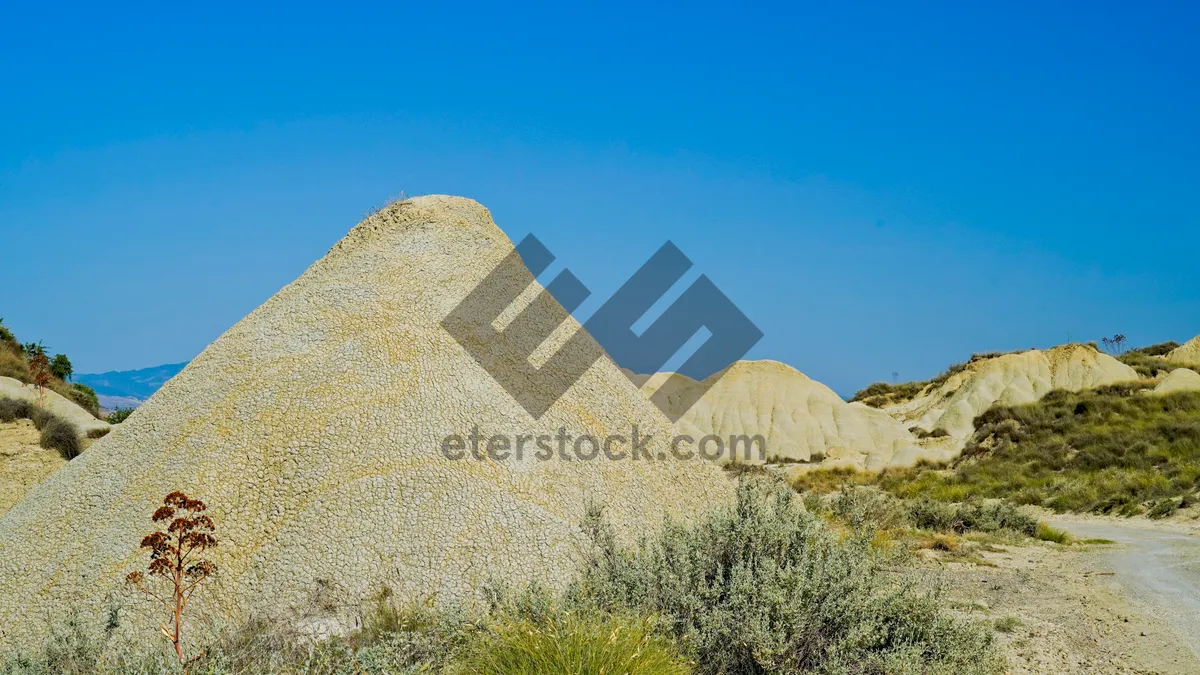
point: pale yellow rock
(1009, 379)
(1180, 379)
(60, 406)
(798, 418)
(1188, 353)
(23, 463)
(313, 429)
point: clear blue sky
(879, 189)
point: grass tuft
(1045, 532)
(573, 643)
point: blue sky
(880, 189)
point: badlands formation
(313, 429)
(802, 419)
(1008, 379)
(1180, 379)
(799, 418)
(1188, 353)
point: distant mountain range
(128, 388)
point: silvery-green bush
(762, 586)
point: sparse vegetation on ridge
(56, 433)
(1147, 361)
(1114, 449)
(882, 394)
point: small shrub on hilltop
(60, 367)
(119, 415)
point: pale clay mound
(1009, 379)
(313, 429)
(1180, 379)
(66, 409)
(799, 418)
(23, 463)
(1188, 353)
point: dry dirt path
(1157, 568)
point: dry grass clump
(60, 435)
(573, 643)
(56, 433)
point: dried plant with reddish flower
(175, 557)
(39, 370)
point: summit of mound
(1007, 379)
(1188, 353)
(800, 419)
(314, 429)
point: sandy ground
(1128, 607)
(23, 463)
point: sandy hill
(313, 428)
(1008, 379)
(1180, 379)
(1187, 353)
(800, 419)
(52, 401)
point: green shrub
(573, 643)
(864, 507)
(60, 367)
(119, 415)
(990, 516)
(1165, 507)
(62, 436)
(763, 586)
(1047, 533)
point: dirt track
(1088, 608)
(1158, 570)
